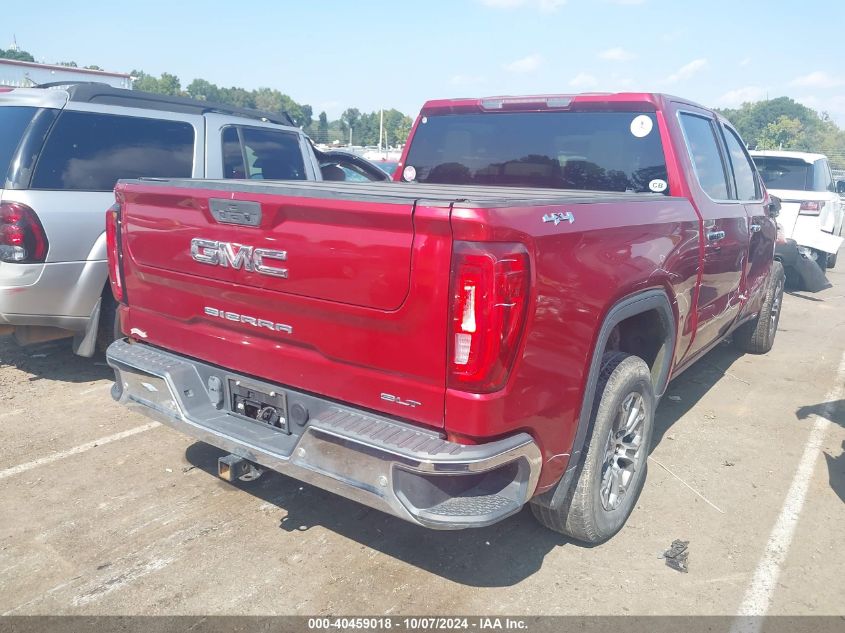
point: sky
(373, 54)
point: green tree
(322, 128)
(349, 121)
(17, 55)
(785, 133)
(782, 122)
(203, 90)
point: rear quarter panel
(580, 270)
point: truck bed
(460, 195)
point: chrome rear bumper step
(410, 472)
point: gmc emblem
(226, 254)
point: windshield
(13, 122)
(779, 172)
(603, 151)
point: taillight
(489, 296)
(114, 253)
(811, 207)
(22, 238)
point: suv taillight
(114, 253)
(811, 207)
(489, 296)
(22, 238)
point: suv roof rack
(97, 92)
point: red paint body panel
(368, 292)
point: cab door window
(747, 187)
(703, 148)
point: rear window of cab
(600, 151)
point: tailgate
(312, 286)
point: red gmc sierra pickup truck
(495, 329)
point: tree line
(783, 123)
(362, 128)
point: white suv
(811, 209)
(61, 152)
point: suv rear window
(779, 172)
(91, 152)
(603, 151)
(13, 123)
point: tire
(109, 328)
(591, 513)
(758, 336)
(822, 260)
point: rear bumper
(406, 471)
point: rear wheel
(758, 336)
(831, 260)
(613, 469)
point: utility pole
(350, 136)
(380, 129)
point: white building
(27, 74)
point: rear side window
(746, 182)
(262, 154)
(601, 151)
(822, 178)
(706, 159)
(91, 152)
(13, 123)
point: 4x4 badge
(559, 216)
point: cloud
(583, 80)
(526, 64)
(733, 98)
(466, 80)
(745, 61)
(544, 6)
(688, 70)
(616, 54)
(816, 79)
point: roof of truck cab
(471, 196)
(534, 102)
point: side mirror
(840, 187)
(773, 207)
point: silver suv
(61, 152)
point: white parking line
(49, 459)
(758, 597)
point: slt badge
(559, 216)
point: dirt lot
(105, 513)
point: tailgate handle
(243, 212)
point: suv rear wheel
(613, 469)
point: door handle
(715, 236)
(756, 228)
